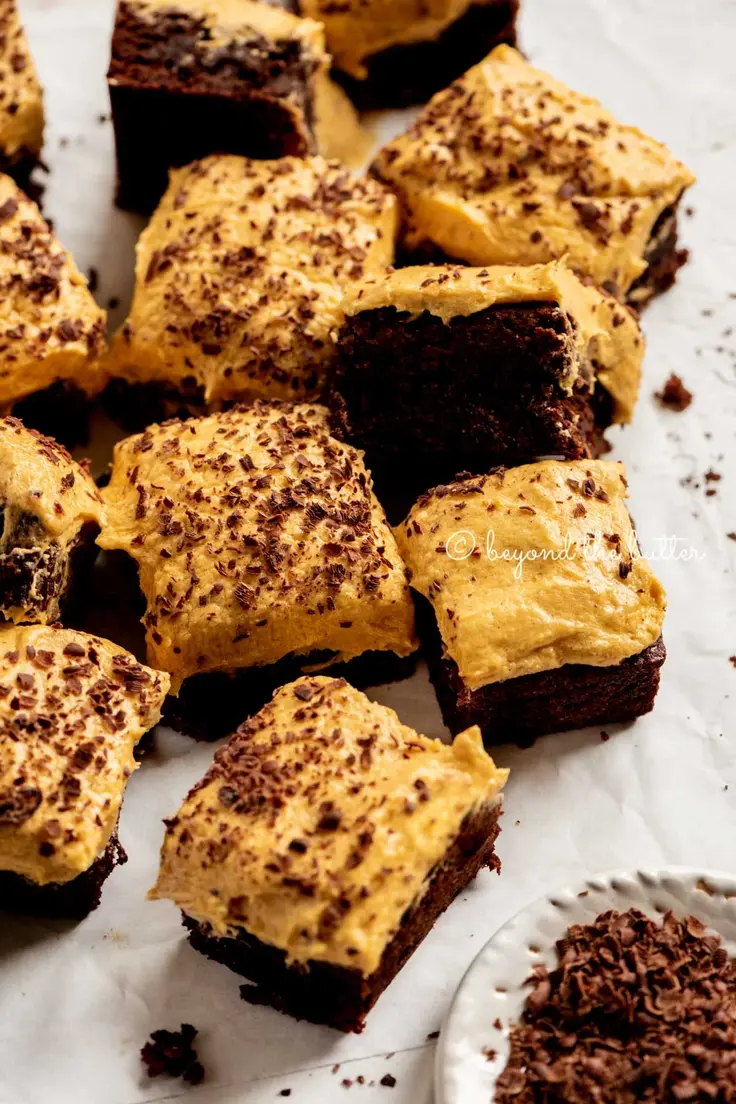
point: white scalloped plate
(472, 1051)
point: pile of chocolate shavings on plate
(635, 1011)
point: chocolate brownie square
(323, 843)
(262, 552)
(21, 100)
(509, 166)
(50, 513)
(189, 78)
(72, 709)
(391, 54)
(447, 369)
(539, 612)
(52, 333)
(239, 280)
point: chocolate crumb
(674, 394)
(388, 1081)
(173, 1053)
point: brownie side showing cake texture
(50, 514)
(448, 369)
(239, 279)
(262, 552)
(359, 832)
(189, 78)
(393, 54)
(52, 333)
(509, 166)
(21, 100)
(72, 709)
(541, 614)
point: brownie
(192, 77)
(395, 56)
(239, 280)
(50, 514)
(72, 709)
(549, 173)
(52, 343)
(447, 369)
(341, 996)
(71, 900)
(21, 100)
(538, 612)
(259, 542)
(517, 710)
(326, 797)
(240, 694)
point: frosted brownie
(398, 52)
(538, 611)
(447, 369)
(50, 513)
(72, 708)
(239, 278)
(189, 78)
(323, 843)
(21, 99)
(52, 333)
(509, 166)
(262, 551)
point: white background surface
(76, 1003)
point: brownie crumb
(388, 1081)
(285, 1092)
(93, 279)
(675, 394)
(732, 660)
(173, 1053)
(634, 1011)
(433, 1035)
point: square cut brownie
(52, 333)
(392, 53)
(50, 514)
(239, 279)
(262, 552)
(21, 99)
(323, 843)
(446, 369)
(538, 612)
(189, 78)
(72, 708)
(508, 166)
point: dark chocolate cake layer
(518, 710)
(62, 901)
(412, 73)
(175, 98)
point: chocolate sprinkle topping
(635, 1011)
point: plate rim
(690, 876)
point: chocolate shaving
(634, 1011)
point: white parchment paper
(77, 1003)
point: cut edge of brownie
(403, 75)
(662, 257)
(500, 398)
(335, 995)
(64, 576)
(240, 694)
(251, 98)
(518, 710)
(71, 900)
